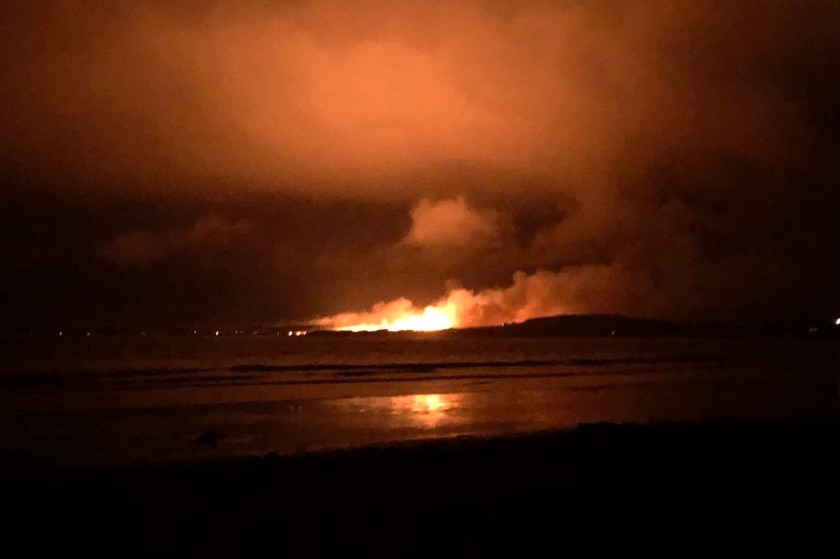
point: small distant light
(60, 333)
(195, 332)
(291, 333)
(87, 334)
(837, 322)
(217, 332)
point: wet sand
(761, 486)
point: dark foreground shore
(769, 486)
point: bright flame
(396, 316)
(430, 319)
(540, 294)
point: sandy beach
(758, 486)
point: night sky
(205, 163)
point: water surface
(91, 400)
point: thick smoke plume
(667, 158)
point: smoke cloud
(449, 223)
(660, 158)
(140, 248)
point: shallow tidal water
(105, 400)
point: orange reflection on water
(425, 410)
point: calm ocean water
(94, 400)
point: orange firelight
(429, 319)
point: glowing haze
(425, 164)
